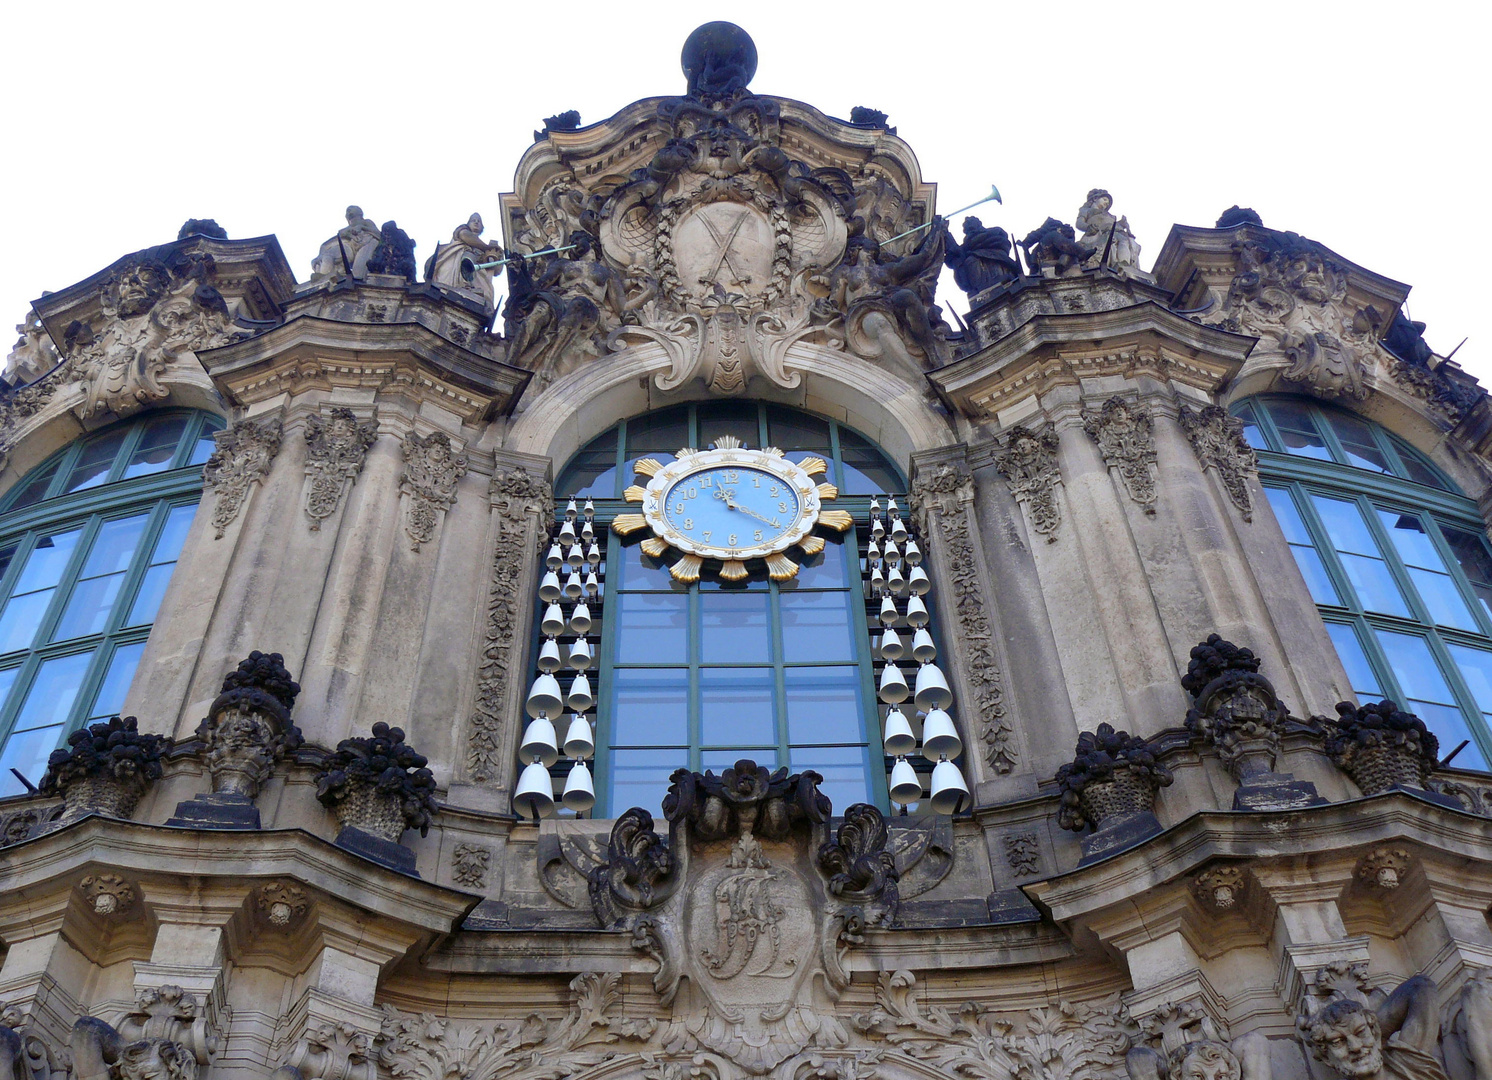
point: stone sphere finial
(719, 59)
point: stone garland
(1218, 441)
(1028, 461)
(469, 865)
(947, 492)
(431, 471)
(336, 447)
(1126, 439)
(242, 458)
(516, 497)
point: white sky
(1364, 126)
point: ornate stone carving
(1127, 442)
(942, 496)
(333, 1051)
(282, 903)
(1114, 245)
(983, 260)
(170, 1015)
(19, 826)
(1366, 1035)
(862, 870)
(517, 499)
(469, 864)
(1028, 461)
(1221, 887)
(1023, 853)
(431, 471)
(1068, 1041)
(1218, 441)
(1181, 1042)
(394, 254)
(1052, 250)
(19, 405)
(1111, 784)
(247, 728)
(886, 303)
(108, 894)
(1383, 868)
(336, 446)
(456, 265)
(347, 254)
(104, 769)
(33, 354)
(638, 871)
(743, 801)
(242, 458)
(565, 312)
(377, 785)
(1381, 747)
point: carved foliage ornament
(1127, 442)
(1218, 441)
(1028, 461)
(943, 496)
(336, 446)
(431, 471)
(282, 903)
(247, 729)
(242, 458)
(469, 865)
(519, 503)
(1234, 707)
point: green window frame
(774, 672)
(88, 542)
(1395, 557)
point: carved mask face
(1209, 1061)
(1349, 1042)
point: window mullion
(607, 646)
(1328, 435)
(1465, 701)
(1453, 567)
(779, 673)
(1391, 559)
(1326, 548)
(67, 583)
(135, 572)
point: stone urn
(1111, 784)
(1381, 747)
(378, 787)
(104, 769)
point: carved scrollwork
(431, 471)
(638, 867)
(1028, 461)
(336, 446)
(469, 863)
(860, 866)
(1127, 442)
(1218, 441)
(745, 799)
(242, 458)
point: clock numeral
(706, 535)
(688, 524)
(756, 481)
(731, 540)
(782, 507)
(692, 493)
(774, 491)
(707, 480)
(678, 508)
(732, 476)
(757, 536)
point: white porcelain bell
(580, 697)
(555, 559)
(588, 531)
(918, 583)
(571, 509)
(545, 696)
(580, 792)
(592, 584)
(899, 738)
(567, 533)
(949, 792)
(553, 622)
(905, 787)
(877, 528)
(932, 689)
(534, 798)
(889, 614)
(590, 508)
(923, 649)
(891, 646)
(898, 530)
(873, 551)
(593, 552)
(891, 553)
(580, 655)
(912, 553)
(877, 579)
(896, 581)
(939, 736)
(574, 585)
(549, 656)
(575, 556)
(580, 743)
(580, 619)
(549, 588)
(539, 743)
(893, 690)
(916, 612)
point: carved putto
(336, 445)
(1126, 439)
(431, 471)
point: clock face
(731, 503)
(732, 507)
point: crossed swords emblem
(722, 253)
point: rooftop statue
(33, 354)
(1052, 249)
(566, 313)
(719, 59)
(1237, 215)
(347, 253)
(983, 260)
(887, 304)
(1114, 245)
(457, 265)
(394, 254)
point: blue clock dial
(731, 507)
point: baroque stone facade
(1187, 852)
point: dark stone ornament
(871, 118)
(247, 730)
(719, 60)
(1053, 246)
(743, 799)
(202, 227)
(1237, 711)
(1383, 748)
(861, 869)
(394, 254)
(104, 769)
(983, 260)
(569, 120)
(638, 871)
(1111, 784)
(1237, 215)
(378, 787)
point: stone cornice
(312, 352)
(1053, 350)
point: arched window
(702, 675)
(1396, 558)
(88, 540)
